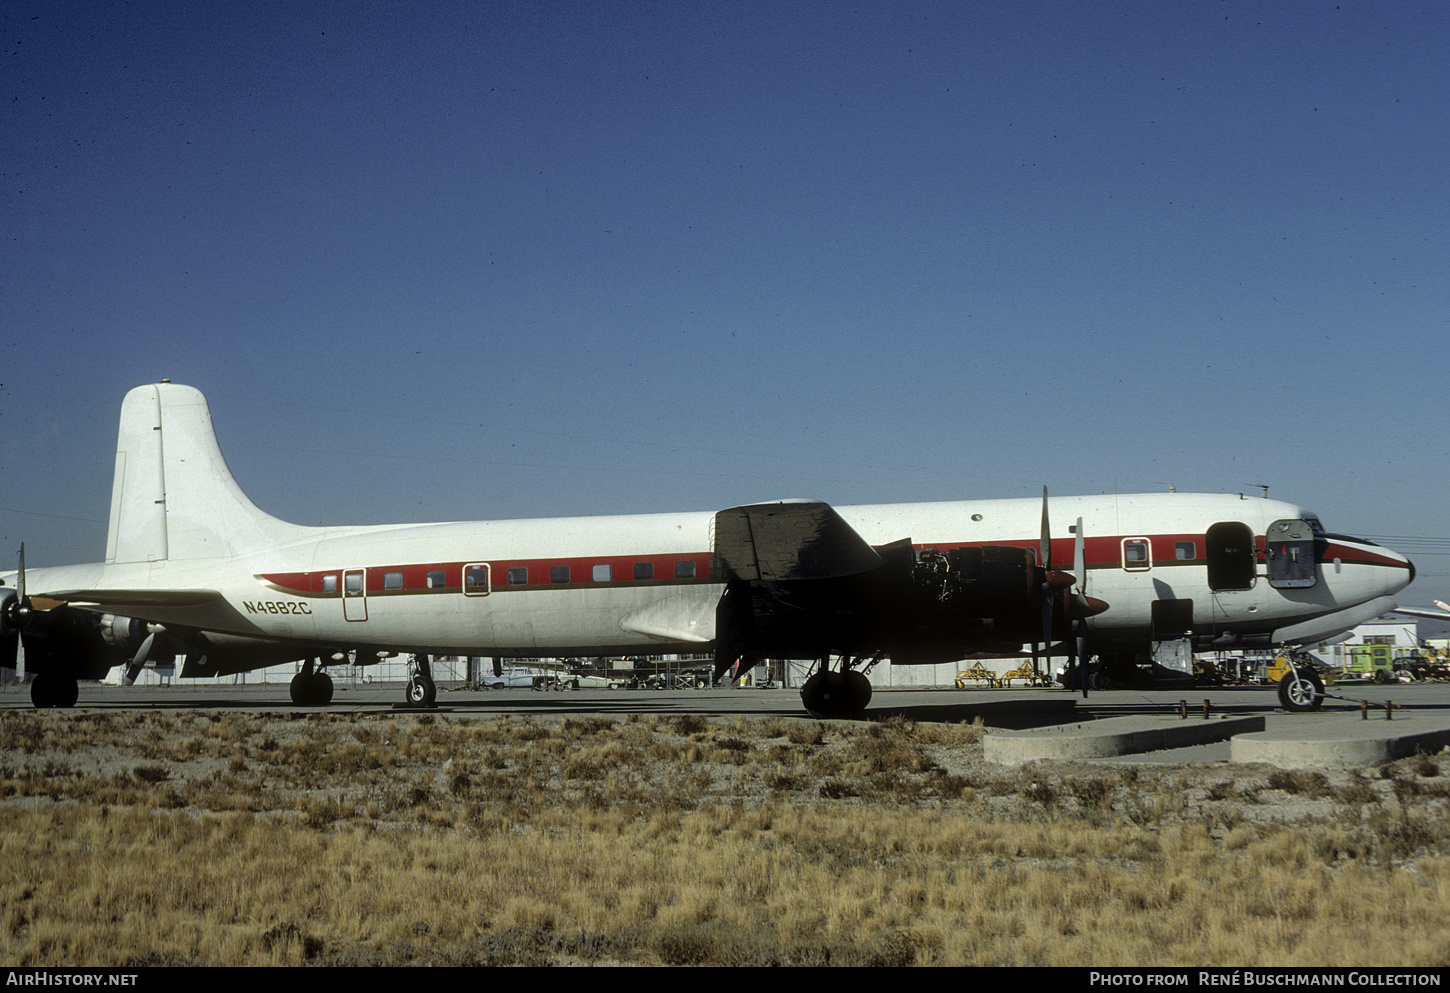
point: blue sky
(444, 261)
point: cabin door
(354, 595)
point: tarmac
(1359, 725)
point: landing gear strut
(843, 692)
(421, 690)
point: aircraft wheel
(1302, 691)
(321, 689)
(49, 689)
(42, 695)
(297, 689)
(858, 691)
(421, 691)
(824, 694)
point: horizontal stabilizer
(779, 542)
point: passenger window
(392, 580)
(602, 573)
(685, 569)
(519, 576)
(644, 570)
(475, 580)
(1135, 554)
(435, 579)
(329, 583)
(558, 573)
(1185, 551)
(354, 583)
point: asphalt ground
(1201, 725)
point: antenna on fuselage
(1262, 486)
(1171, 487)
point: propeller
(1045, 592)
(1077, 646)
(133, 668)
(733, 615)
(1048, 597)
(14, 615)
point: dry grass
(340, 840)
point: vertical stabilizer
(138, 494)
(173, 495)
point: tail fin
(173, 496)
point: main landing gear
(54, 689)
(842, 692)
(311, 687)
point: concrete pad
(1338, 741)
(1114, 736)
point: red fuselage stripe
(1100, 553)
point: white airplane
(193, 568)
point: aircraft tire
(1301, 692)
(321, 689)
(51, 690)
(858, 691)
(421, 691)
(824, 694)
(42, 696)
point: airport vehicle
(510, 678)
(591, 682)
(194, 569)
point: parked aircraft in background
(194, 569)
(1441, 614)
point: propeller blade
(20, 577)
(1044, 547)
(1079, 558)
(1047, 617)
(133, 668)
(1080, 647)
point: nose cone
(1364, 570)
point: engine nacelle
(125, 633)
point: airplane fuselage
(648, 583)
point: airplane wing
(122, 599)
(1443, 614)
(790, 540)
